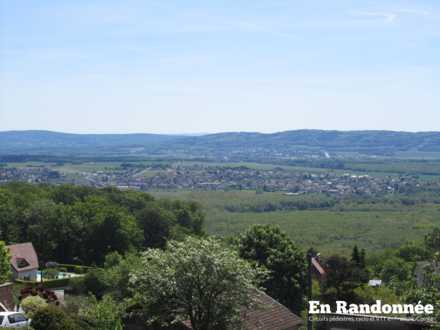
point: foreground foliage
(197, 280)
(105, 314)
(32, 304)
(53, 318)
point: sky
(173, 66)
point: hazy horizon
(209, 133)
(191, 68)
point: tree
(412, 251)
(269, 247)
(117, 270)
(355, 256)
(8, 230)
(32, 304)
(432, 240)
(116, 229)
(156, 224)
(197, 280)
(395, 269)
(341, 280)
(5, 264)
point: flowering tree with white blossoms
(198, 280)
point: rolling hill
(283, 144)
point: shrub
(50, 273)
(77, 285)
(104, 314)
(58, 283)
(48, 295)
(52, 318)
(95, 282)
(31, 304)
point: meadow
(373, 226)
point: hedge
(57, 283)
(77, 269)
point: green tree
(8, 215)
(197, 280)
(341, 280)
(358, 257)
(117, 270)
(395, 269)
(5, 264)
(412, 251)
(156, 224)
(269, 247)
(355, 256)
(104, 314)
(432, 240)
(31, 304)
(107, 228)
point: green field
(336, 229)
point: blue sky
(208, 66)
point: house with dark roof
(267, 314)
(24, 261)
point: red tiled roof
(23, 257)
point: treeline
(71, 224)
(326, 201)
(302, 202)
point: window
(22, 262)
(15, 318)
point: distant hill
(248, 145)
(46, 142)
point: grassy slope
(328, 230)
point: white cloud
(415, 12)
(389, 17)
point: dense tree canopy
(269, 247)
(5, 266)
(73, 224)
(432, 241)
(342, 279)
